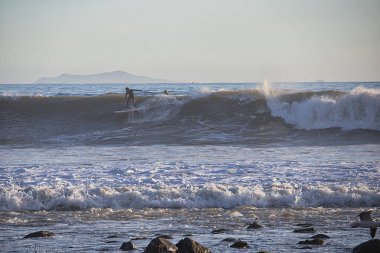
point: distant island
(107, 77)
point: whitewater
(203, 157)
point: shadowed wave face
(248, 117)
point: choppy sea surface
(203, 157)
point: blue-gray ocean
(200, 158)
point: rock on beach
(188, 245)
(159, 245)
(316, 241)
(126, 246)
(320, 236)
(240, 244)
(371, 246)
(254, 225)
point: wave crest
(209, 196)
(257, 116)
(358, 109)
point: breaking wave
(207, 196)
(256, 116)
(358, 109)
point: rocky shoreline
(188, 244)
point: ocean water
(203, 157)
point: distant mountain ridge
(107, 77)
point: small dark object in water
(39, 234)
(240, 244)
(320, 236)
(220, 231)
(304, 225)
(304, 230)
(254, 225)
(112, 241)
(317, 241)
(229, 239)
(139, 238)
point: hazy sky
(200, 41)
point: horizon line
(213, 82)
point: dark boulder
(254, 225)
(188, 245)
(371, 246)
(39, 234)
(240, 244)
(127, 246)
(229, 239)
(160, 245)
(320, 236)
(316, 241)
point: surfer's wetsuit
(129, 95)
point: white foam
(156, 109)
(188, 177)
(208, 196)
(357, 109)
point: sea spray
(356, 109)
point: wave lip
(208, 196)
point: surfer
(129, 95)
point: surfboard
(136, 109)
